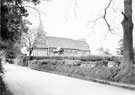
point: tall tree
(127, 23)
(12, 22)
(12, 25)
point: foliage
(97, 72)
(11, 20)
(82, 58)
(12, 25)
(29, 38)
(3, 88)
(100, 71)
(103, 51)
(129, 78)
(121, 48)
(107, 52)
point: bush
(21, 60)
(102, 63)
(81, 58)
(63, 67)
(48, 57)
(129, 78)
(81, 68)
(91, 58)
(3, 89)
(73, 62)
(11, 61)
(10, 55)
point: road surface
(24, 81)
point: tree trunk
(30, 52)
(127, 25)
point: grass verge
(99, 73)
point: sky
(73, 19)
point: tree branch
(94, 22)
(124, 15)
(104, 18)
(39, 12)
(36, 10)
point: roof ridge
(65, 38)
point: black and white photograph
(67, 47)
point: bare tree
(127, 23)
(28, 40)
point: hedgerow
(82, 58)
(100, 71)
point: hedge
(82, 58)
(98, 72)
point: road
(24, 81)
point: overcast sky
(69, 19)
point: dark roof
(61, 42)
